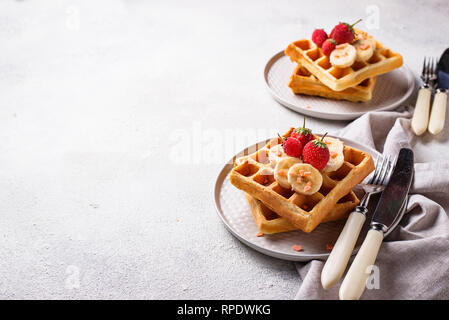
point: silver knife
(438, 113)
(387, 215)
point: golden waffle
(303, 82)
(309, 55)
(304, 212)
(270, 222)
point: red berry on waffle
(319, 36)
(293, 147)
(303, 134)
(316, 153)
(329, 46)
(344, 32)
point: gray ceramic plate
(391, 90)
(235, 212)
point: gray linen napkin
(413, 261)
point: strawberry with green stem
(316, 153)
(344, 32)
(303, 134)
(329, 46)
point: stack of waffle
(277, 209)
(315, 75)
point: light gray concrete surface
(115, 117)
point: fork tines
(383, 170)
(429, 70)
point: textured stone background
(108, 110)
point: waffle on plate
(253, 174)
(309, 55)
(270, 222)
(303, 82)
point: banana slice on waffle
(364, 49)
(336, 157)
(304, 178)
(275, 154)
(343, 55)
(282, 168)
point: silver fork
(338, 259)
(432, 72)
(377, 182)
(420, 118)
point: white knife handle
(339, 257)
(420, 118)
(355, 281)
(438, 114)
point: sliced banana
(364, 49)
(336, 157)
(365, 36)
(304, 178)
(281, 170)
(275, 154)
(343, 55)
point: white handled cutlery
(338, 259)
(420, 118)
(387, 215)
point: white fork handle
(438, 114)
(420, 118)
(339, 257)
(355, 281)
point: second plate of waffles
(288, 196)
(342, 80)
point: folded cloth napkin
(413, 262)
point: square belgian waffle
(309, 55)
(270, 222)
(252, 175)
(303, 82)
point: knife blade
(387, 215)
(394, 193)
(438, 113)
(443, 70)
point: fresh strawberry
(319, 36)
(329, 46)
(303, 134)
(293, 147)
(344, 32)
(316, 153)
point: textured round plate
(234, 210)
(392, 89)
